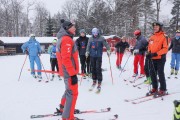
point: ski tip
(116, 116)
(109, 109)
(133, 102)
(126, 100)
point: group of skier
(64, 54)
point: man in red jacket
(67, 56)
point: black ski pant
(147, 67)
(157, 68)
(96, 63)
(85, 63)
(54, 64)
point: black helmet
(157, 23)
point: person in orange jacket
(67, 56)
(157, 50)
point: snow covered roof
(11, 40)
(106, 37)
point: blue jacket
(95, 46)
(32, 46)
(141, 44)
(52, 51)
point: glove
(87, 54)
(74, 79)
(136, 51)
(26, 52)
(108, 52)
(150, 55)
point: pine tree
(175, 21)
(49, 27)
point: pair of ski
(135, 85)
(40, 80)
(175, 77)
(143, 99)
(115, 117)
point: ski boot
(172, 71)
(176, 73)
(119, 67)
(84, 75)
(93, 85)
(34, 76)
(59, 77)
(134, 75)
(39, 77)
(152, 92)
(52, 77)
(148, 81)
(98, 88)
(141, 76)
(160, 93)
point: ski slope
(19, 100)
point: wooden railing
(8, 51)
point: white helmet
(32, 35)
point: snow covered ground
(19, 100)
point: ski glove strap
(74, 79)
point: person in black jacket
(175, 56)
(81, 43)
(120, 48)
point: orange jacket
(158, 43)
(67, 56)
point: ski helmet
(82, 31)
(157, 23)
(95, 31)
(54, 41)
(137, 32)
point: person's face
(54, 43)
(72, 30)
(177, 34)
(156, 28)
(82, 34)
(123, 40)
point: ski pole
(44, 68)
(124, 65)
(110, 69)
(22, 68)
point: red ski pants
(139, 59)
(119, 59)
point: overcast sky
(55, 5)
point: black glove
(150, 55)
(74, 79)
(26, 52)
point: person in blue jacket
(95, 50)
(33, 49)
(175, 56)
(53, 58)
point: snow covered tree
(175, 21)
(41, 16)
